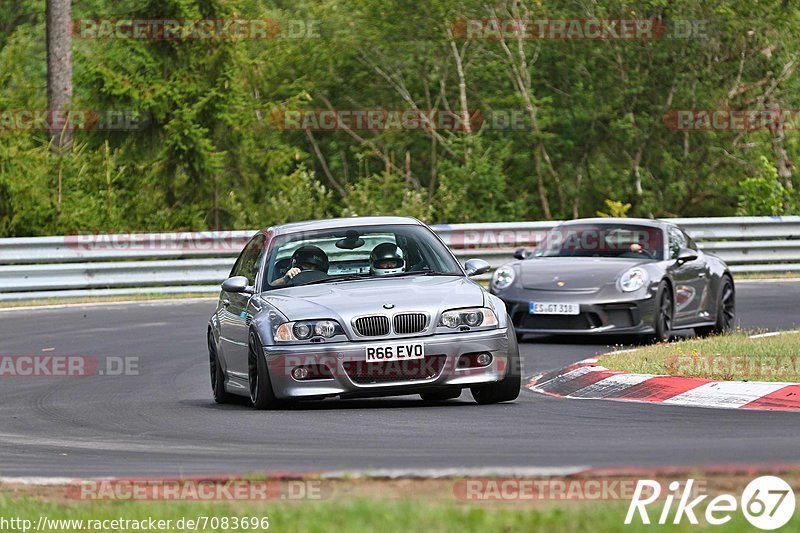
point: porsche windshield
(602, 240)
(347, 254)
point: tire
(217, 374)
(507, 389)
(726, 311)
(665, 313)
(261, 394)
(441, 395)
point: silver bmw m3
(358, 307)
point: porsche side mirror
(474, 267)
(520, 253)
(686, 255)
(237, 284)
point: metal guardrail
(82, 265)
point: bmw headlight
(472, 317)
(503, 277)
(306, 330)
(633, 280)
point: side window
(250, 259)
(676, 242)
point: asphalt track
(164, 422)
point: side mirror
(237, 284)
(520, 253)
(686, 255)
(473, 267)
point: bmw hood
(572, 273)
(348, 299)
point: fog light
(299, 372)
(483, 359)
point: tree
(59, 72)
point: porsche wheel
(726, 311)
(507, 389)
(217, 373)
(664, 314)
(261, 394)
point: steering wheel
(307, 276)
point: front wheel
(507, 389)
(664, 313)
(261, 394)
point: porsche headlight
(503, 277)
(633, 280)
(306, 330)
(473, 317)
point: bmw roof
(347, 222)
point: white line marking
(37, 481)
(729, 394)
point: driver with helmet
(386, 259)
(304, 259)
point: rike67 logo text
(768, 502)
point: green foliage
(592, 117)
(385, 194)
(764, 194)
(616, 209)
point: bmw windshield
(350, 254)
(610, 240)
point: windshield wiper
(335, 278)
(421, 273)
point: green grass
(108, 299)
(723, 357)
(367, 515)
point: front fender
(265, 319)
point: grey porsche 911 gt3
(358, 307)
(619, 276)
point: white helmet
(385, 259)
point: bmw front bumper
(351, 376)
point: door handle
(226, 302)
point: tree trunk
(59, 72)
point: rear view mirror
(686, 255)
(520, 253)
(236, 284)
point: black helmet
(311, 255)
(386, 251)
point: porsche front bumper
(599, 313)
